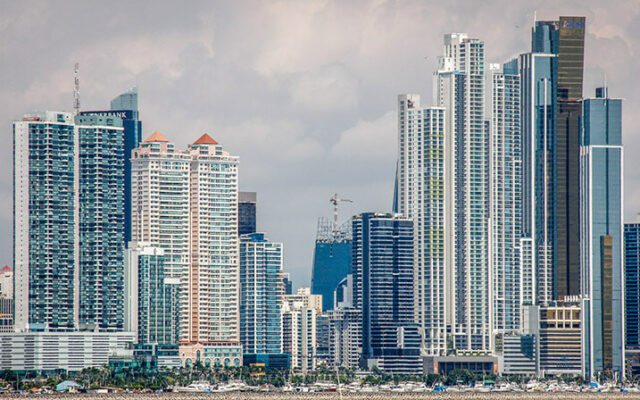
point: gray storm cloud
(303, 92)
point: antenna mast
(76, 90)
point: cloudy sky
(303, 92)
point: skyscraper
(101, 221)
(601, 274)
(512, 284)
(186, 202)
(538, 72)
(150, 297)
(68, 222)
(261, 294)
(632, 284)
(299, 328)
(384, 292)
(247, 204)
(565, 39)
(44, 240)
(331, 260)
(125, 107)
(459, 87)
(160, 202)
(421, 195)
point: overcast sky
(304, 92)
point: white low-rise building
(59, 351)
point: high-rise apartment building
(125, 107)
(261, 294)
(299, 328)
(459, 87)
(601, 241)
(538, 115)
(632, 284)
(512, 283)
(68, 222)
(151, 307)
(186, 203)
(421, 196)
(384, 292)
(101, 221)
(247, 204)
(331, 260)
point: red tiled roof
(205, 139)
(156, 137)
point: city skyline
(330, 117)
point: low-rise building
(60, 351)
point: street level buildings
(59, 351)
(6, 299)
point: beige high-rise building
(186, 202)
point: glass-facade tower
(125, 107)
(565, 39)
(632, 284)
(331, 260)
(247, 202)
(383, 290)
(601, 274)
(261, 294)
(150, 296)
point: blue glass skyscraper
(125, 107)
(632, 284)
(601, 247)
(331, 261)
(261, 294)
(247, 204)
(384, 292)
(151, 302)
(538, 86)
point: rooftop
(205, 139)
(156, 137)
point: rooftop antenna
(76, 89)
(535, 17)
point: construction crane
(335, 200)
